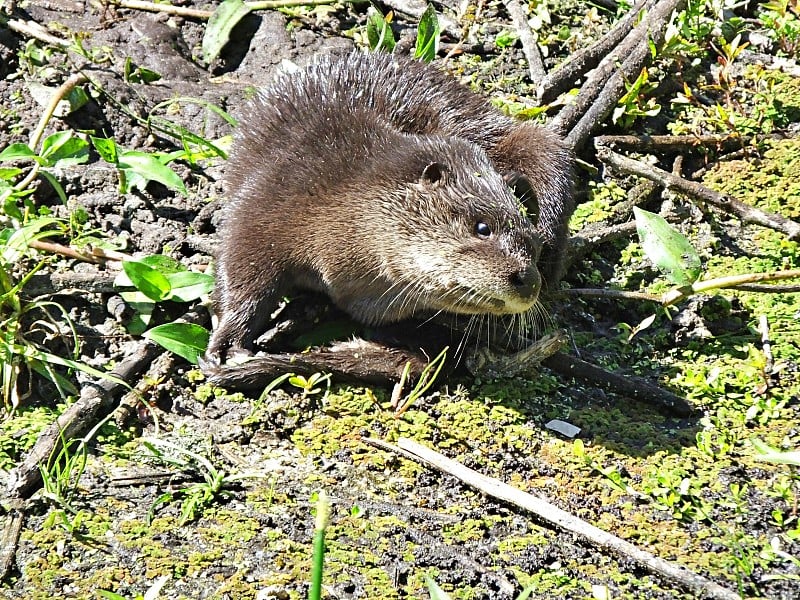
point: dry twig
(530, 46)
(606, 84)
(581, 62)
(701, 193)
(561, 519)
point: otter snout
(527, 282)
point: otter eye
(482, 230)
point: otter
(391, 188)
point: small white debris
(566, 429)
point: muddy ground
(687, 489)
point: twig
(766, 347)
(767, 289)
(606, 85)
(670, 143)
(735, 282)
(32, 29)
(63, 250)
(155, 375)
(530, 45)
(12, 527)
(64, 89)
(197, 13)
(611, 293)
(561, 519)
(629, 386)
(582, 61)
(701, 193)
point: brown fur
(375, 180)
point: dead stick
(590, 108)
(766, 347)
(530, 46)
(582, 61)
(669, 143)
(66, 251)
(699, 192)
(553, 515)
(629, 386)
(95, 402)
(12, 527)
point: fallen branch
(701, 193)
(530, 45)
(95, 403)
(606, 84)
(96, 256)
(746, 282)
(32, 29)
(677, 143)
(196, 13)
(42, 284)
(581, 62)
(629, 386)
(697, 584)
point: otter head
(466, 237)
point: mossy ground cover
(691, 490)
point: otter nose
(527, 281)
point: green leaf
(106, 148)
(435, 591)
(141, 167)
(187, 340)
(669, 251)
(220, 25)
(44, 94)
(147, 280)
(427, 35)
(769, 454)
(17, 151)
(380, 36)
(55, 184)
(135, 74)
(188, 285)
(162, 262)
(64, 149)
(9, 173)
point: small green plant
(321, 520)
(58, 151)
(136, 169)
(60, 476)
(308, 384)
(197, 496)
(381, 38)
(780, 17)
(637, 101)
(29, 331)
(425, 381)
(158, 278)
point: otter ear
(434, 173)
(523, 190)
